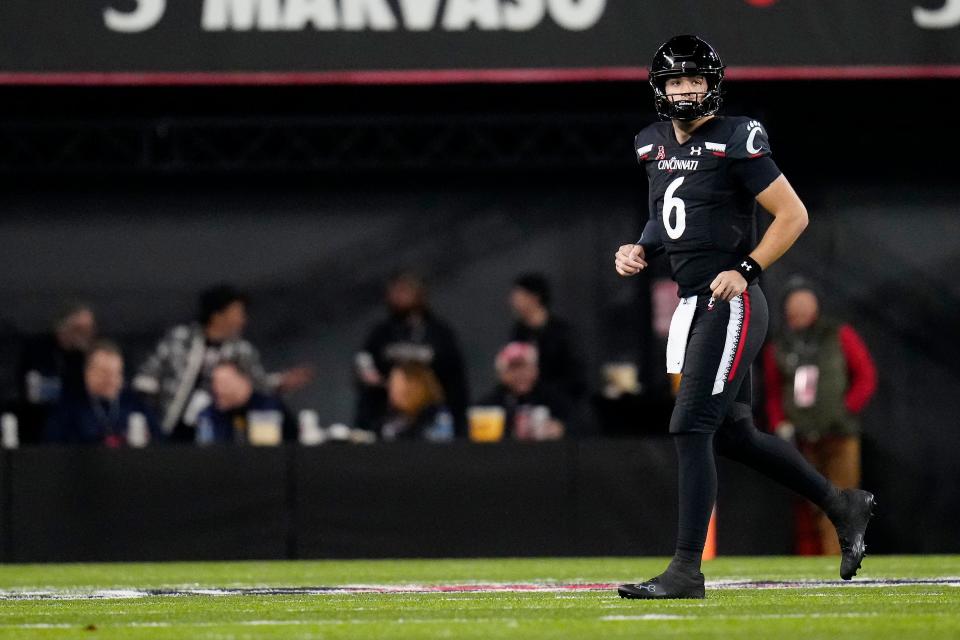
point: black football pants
(713, 408)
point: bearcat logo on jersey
(661, 153)
(673, 164)
(754, 127)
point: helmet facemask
(688, 108)
(686, 55)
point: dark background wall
(136, 198)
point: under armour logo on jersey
(695, 151)
(661, 153)
(746, 265)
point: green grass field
(56, 601)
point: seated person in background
(51, 368)
(417, 410)
(534, 410)
(228, 417)
(105, 410)
(177, 376)
(411, 333)
(560, 362)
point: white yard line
(645, 616)
(449, 590)
(266, 623)
(745, 616)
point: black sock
(739, 440)
(683, 567)
(698, 493)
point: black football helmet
(686, 56)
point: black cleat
(666, 586)
(851, 526)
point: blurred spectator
(412, 333)
(417, 410)
(560, 362)
(51, 368)
(235, 406)
(818, 376)
(103, 412)
(534, 410)
(177, 375)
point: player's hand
(728, 285)
(629, 260)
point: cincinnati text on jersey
(673, 164)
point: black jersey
(702, 195)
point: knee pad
(693, 441)
(689, 420)
(740, 411)
(738, 426)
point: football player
(705, 174)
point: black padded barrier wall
(169, 503)
(401, 500)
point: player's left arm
(754, 170)
(789, 220)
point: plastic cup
(264, 428)
(486, 423)
(138, 435)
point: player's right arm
(631, 259)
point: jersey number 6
(670, 204)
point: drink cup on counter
(264, 428)
(487, 424)
(9, 430)
(138, 436)
(531, 422)
(338, 432)
(620, 378)
(310, 431)
(539, 422)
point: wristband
(749, 269)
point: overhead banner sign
(381, 41)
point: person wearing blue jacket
(102, 413)
(234, 399)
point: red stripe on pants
(743, 336)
